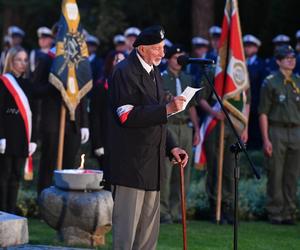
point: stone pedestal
(13, 230)
(79, 217)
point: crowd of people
(142, 92)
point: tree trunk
(202, 17)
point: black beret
(283, 51)
(151, 35)
(174, 49)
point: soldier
(175, 81)
(130, 35)
(280, 128)
(45, 44)
(96, 62)
(279, 40)
(256, 70)
(211, 143)
(119, 43)
(16, 36)
(215, 35)
(200, 49)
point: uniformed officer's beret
(199, 41)
(119, 39)
(281, 39)
(283, 51)
(251, 39)
(149, 36)
(132, 31)
(92, 39)
(15, 30)
(215, 31)
(176, 48)
(44, 31)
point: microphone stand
(235, 148)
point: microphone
(184, 60)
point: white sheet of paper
(188, 93)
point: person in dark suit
(100, 116)
(96, 62)
(140, 141)
(256, 69)
(76, 132)
(17, 126)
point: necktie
(152, 75)
(178, 87)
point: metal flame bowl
(78, 179)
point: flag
(231, 77)
(71, 72)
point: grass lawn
(202, 235)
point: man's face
(45, 42)
(200, 51)
(152, 54)
(172, 62)
(130, 41)
(214, 42)
(287, 63)
(250, 50)
(92, 48)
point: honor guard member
(96, 62)
(139, 142)
(45, 40)
(278, 41)
(5, 48)
(181, 127)
(297, 47)
(164, 62)
(279, 111)
(256, 72)
(214, 35)
(200, 48)
(17, 126)
(130, 36)
(16, 35)
(119, 43)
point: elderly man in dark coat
(139, 142)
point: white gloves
(85, 134)
(99, 151)
(2, 146)
(31, 148)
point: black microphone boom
(184, 60)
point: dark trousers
(11, 172)
(48, 162)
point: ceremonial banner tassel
(231, 82)
(71, 72)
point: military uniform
(182, 132)
(280, 102)
(212, 149)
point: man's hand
(176, 104)
(219, 115)
(196, 139)
(99, 151)
(268, 148)
(2, 145)
(180, 156)
(85, 134)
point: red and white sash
(23, 105)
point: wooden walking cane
(220, 172)
(61, 138)
(183, 210)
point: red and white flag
(25, 111)
(231, 76)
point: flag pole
(220, 172)
(61, 137)
(183, 210)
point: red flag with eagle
(231, 78)
(71, 72)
